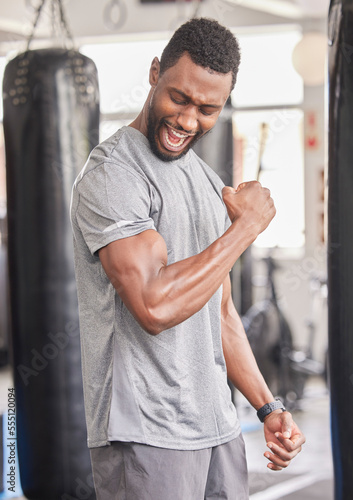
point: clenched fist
(251, 204)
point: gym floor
(310, 475)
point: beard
(153, 127)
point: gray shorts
(130, 471)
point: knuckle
(290, 446)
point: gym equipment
(51, 120)
(285, 368)
(340, 242)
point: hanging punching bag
(340, 242)
(51, 120)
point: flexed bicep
(161, 295)
(133, 266)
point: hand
(283, 438)
(252, 202)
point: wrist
(269, 408)
(247, 229)
(274, 412)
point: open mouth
(174, 140)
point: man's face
(185, 105)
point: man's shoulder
(117, 152)
(125, 140)
(118, 146)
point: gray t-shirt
(168, 390)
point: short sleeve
(113, 202)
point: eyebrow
(185, 96)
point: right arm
(161, 296)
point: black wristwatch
(269, 408)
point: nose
(187, 119)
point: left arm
(282, 435)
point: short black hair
(208, 43)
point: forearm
(242, 368)
(181, 289)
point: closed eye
(178, 101)
(208, 112)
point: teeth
(178, 134)
(176, 144)
(182, 137)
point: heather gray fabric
(168, 390)
(128, 471)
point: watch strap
(269, 408)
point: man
(154, 243)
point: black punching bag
(51, 120)
(340, 242)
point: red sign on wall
(311, 131)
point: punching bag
(51, 120)
(340, 242)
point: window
(266, 75)
(123, 73)
(269, 91)
(282, 169)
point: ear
(154, 72)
